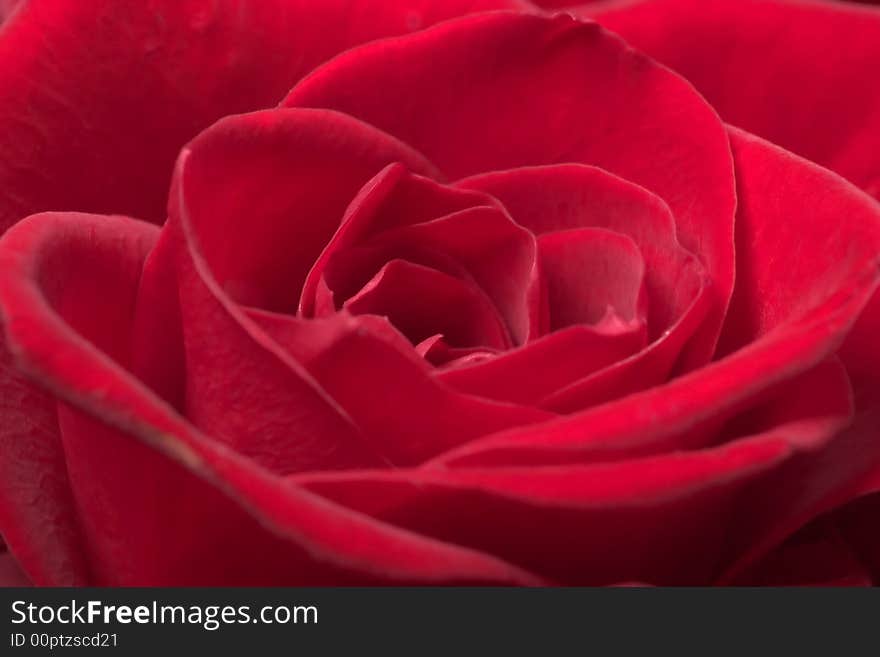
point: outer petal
(816, 555)
(663, 519)
(845, 469)
(10, 572)
(144, 479)
(757, 63)
(98, 96)
(796, 73)
(502, 91)
(7, 7)
(554, 4)
(802, 234)
(37, 513)
(858, 525)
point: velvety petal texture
(502, 302)
(11, 573)
(126, 431)
(792, 71)
(37, 513)
(99, 96)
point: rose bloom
(439, 292)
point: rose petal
(536, 370)
(857, 523)
(386, 388)
(283, 392)
(349, 270)
(570, 196)
(662, 519)
(245, 391)
(146, 480)
(262, 171)
(792, 308)
(280, 181)
(11, 573)
(64, 255)
(99, 96)
(862, 357)
(791, 72)
(802, 235)
(392, 199)
(157, 353)
(499, 255)
(590, 272)
(37, 512)
(436, 351)
(815, 556)
(651, 366)
(844, 470)
(564, 197)
(421, 302)
(500, 91)
(663, 418)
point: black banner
(427, 620)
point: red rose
(501, 301)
